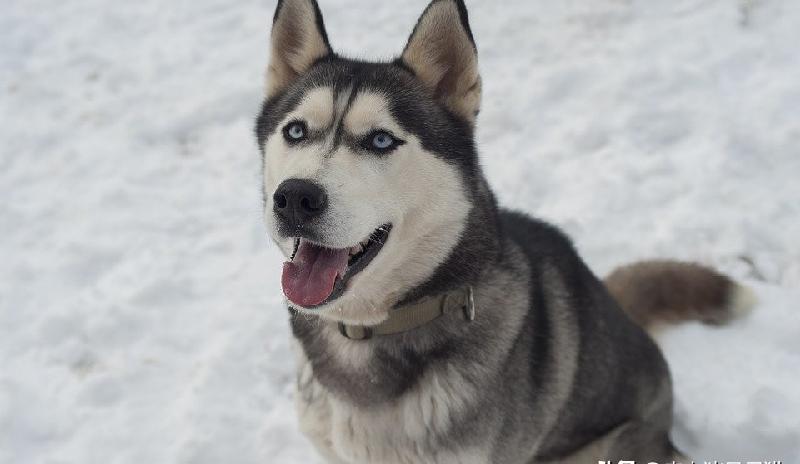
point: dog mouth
(316, 274)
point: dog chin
(349, 308)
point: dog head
(369, 170)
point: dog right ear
(298, 40)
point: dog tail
(657, 293)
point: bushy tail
(654, 293)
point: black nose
(297, 201)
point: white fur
(365, 191)
(404, 431)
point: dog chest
(413, 429)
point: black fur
(619, 367)
(620, 372)
(617, 361)
(439, 131)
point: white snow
(141, 320)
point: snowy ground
(141, 319)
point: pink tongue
(308, 279)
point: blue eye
(295, 131)
(382, 140)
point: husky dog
(431, 325)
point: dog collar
(412, 316)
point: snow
(141, 318)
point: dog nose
(298, 201)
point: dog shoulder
(539, 240)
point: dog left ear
(441, 52)
(298, 40)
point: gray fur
(550, 371)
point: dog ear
(298, 40)
(441, 52)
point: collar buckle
(463, 300)
(469, 308)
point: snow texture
(141, 318)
